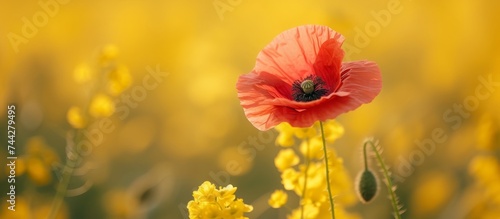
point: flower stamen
(311, 88)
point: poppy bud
(367, 185)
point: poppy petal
(329, 60)
(292, 54)
(360, 85)
(252, 91)
(327, 110)
(362, 79)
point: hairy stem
(389, 183)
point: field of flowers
(227, 108)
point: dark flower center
(307, 86)
(311, 88)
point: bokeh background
(186, 130)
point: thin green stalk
(305, 180)
(71, 163)
(387, 177)
(364, 155)
(62, 187)
(327, 170)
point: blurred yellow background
(436, 117)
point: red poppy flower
(300, 78)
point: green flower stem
(305, 179)
(387, 177)
(364, 155)
(327, 170)
(62, 187)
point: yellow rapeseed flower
(119, 80)
(433, 192)
(83, 73)
(287, 133)
(285, 136)
(30, 207)
(226, 195)
(311, 211)
(37, 162)
(341, 181)
(39, 171)
(333, 130)
(486, 133)
(76, 118)
(286, 158)
(278, 198)
(304, 133)
(315, 146)
(101, 106)
(210, 202)
(119, 204)
(485, 169)
(289, 178)
(310, 173)
(108, 53)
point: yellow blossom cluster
(109, 79)
(32, 207)
(485, 170)
(210, 202)
(37, 162)
(303, 171)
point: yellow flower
(37, 162)
(206, 192)
(108, 53)
(304, 133)
(83, 73)
(286, 158)
(311, 211)
(226, 194)
(101, 106)
(333, 130)
(289, 178)
(76, 118)
(278, 199)
(39, 171)
(315, 148)
(311, 174)
(486, 133)
(31, 208)
(340, 212)
(210, 202)
(340, 180)
(321, 210)
(285, 136)
(237, 208)
(485, 169)
(119, 80)
(20, 166)
(316, 182)
(433, 192)
(120, 204)
(37, 147)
